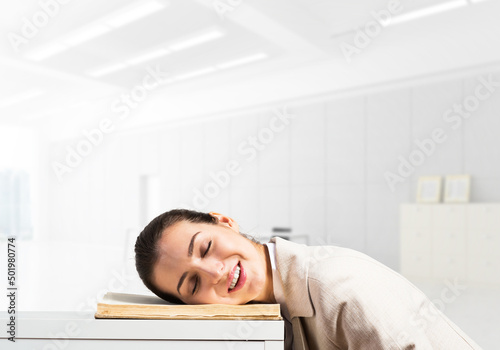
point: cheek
(206, 296)
(255, 273)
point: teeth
(235, 278)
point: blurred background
(312, 119)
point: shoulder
(338, 270)
(327, 260)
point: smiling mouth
(237, 280)
(236, 277)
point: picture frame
(457, 189)
(429, 189)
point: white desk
(78, 331)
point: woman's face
(211, 264)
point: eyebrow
(191, 244)
(190, 253)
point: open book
(122, 305)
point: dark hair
(146, 245)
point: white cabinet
(449, 241)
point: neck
(267, 295)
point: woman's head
(194, 257)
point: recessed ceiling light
(243, 60)
(196, 40)
(427, 11)
(18, 98)
(149, 56)
(133, 13)
(106, 70)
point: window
(15, 204)
(19, 163)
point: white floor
(475, 309)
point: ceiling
(101, 49)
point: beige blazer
(342, 299)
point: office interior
(313, 120)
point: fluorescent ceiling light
(244, 60)
(195, 73)
(207, 70)
(45, 51)
(149, 56)
(84, 34)
(427, 11)
(97, 28)
(106, 70)
(196, 40)
(133, 13)
(18, 98)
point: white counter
(75, 331)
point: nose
(212, 269)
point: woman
(331, 297)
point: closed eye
(195, 285)
(208, 248)
(197, 279)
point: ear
(226, 221)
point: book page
(129, 299)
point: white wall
(323, 175)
